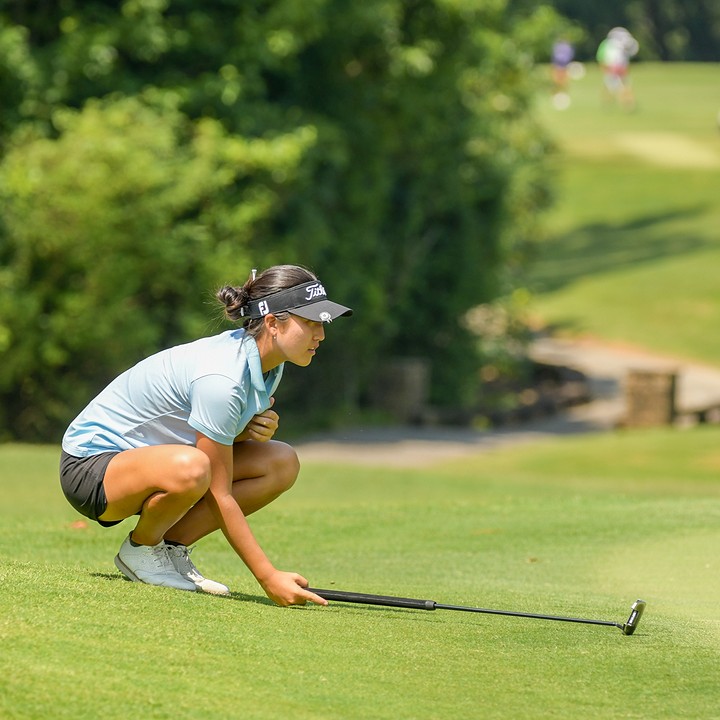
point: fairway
(578, 527)
(632, 251)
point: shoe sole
(130, 575)
(125, 570)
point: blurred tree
(428, 177)
(112, 236)
(387, 144)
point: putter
(628, 628)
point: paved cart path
(606, 367)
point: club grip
(366, 599)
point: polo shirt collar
(255, 366)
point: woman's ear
(270, 324)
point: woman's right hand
(288, 588)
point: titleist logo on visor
(315, 290)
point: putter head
(636, 612)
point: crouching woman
(184, 438)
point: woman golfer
(184, 438)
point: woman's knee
(190, 472)
(285, 466)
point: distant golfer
(184, 438)
(613, 56)
(562, 55)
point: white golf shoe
(150, 564)
(180, 557)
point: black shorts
(81, 480)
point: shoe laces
(187, 566)
(160, 557)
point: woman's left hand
(261, 428)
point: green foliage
(388, 145)
(113, 234)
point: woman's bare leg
(161, 482)
(262, 471)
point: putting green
(676, 575)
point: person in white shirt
(184, 438)
(613, 55)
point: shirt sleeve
(216, 408)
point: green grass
(581, 527)
(633, 249)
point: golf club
(628, 628)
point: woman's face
(296, 340)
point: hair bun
(233, 298)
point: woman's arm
(284, 588)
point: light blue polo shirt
(214, 385)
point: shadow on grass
(259, 599)
(603, 247)
(264, 600)
(108, 576)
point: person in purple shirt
(562, 55)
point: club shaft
(537, 616)
(417, 604)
